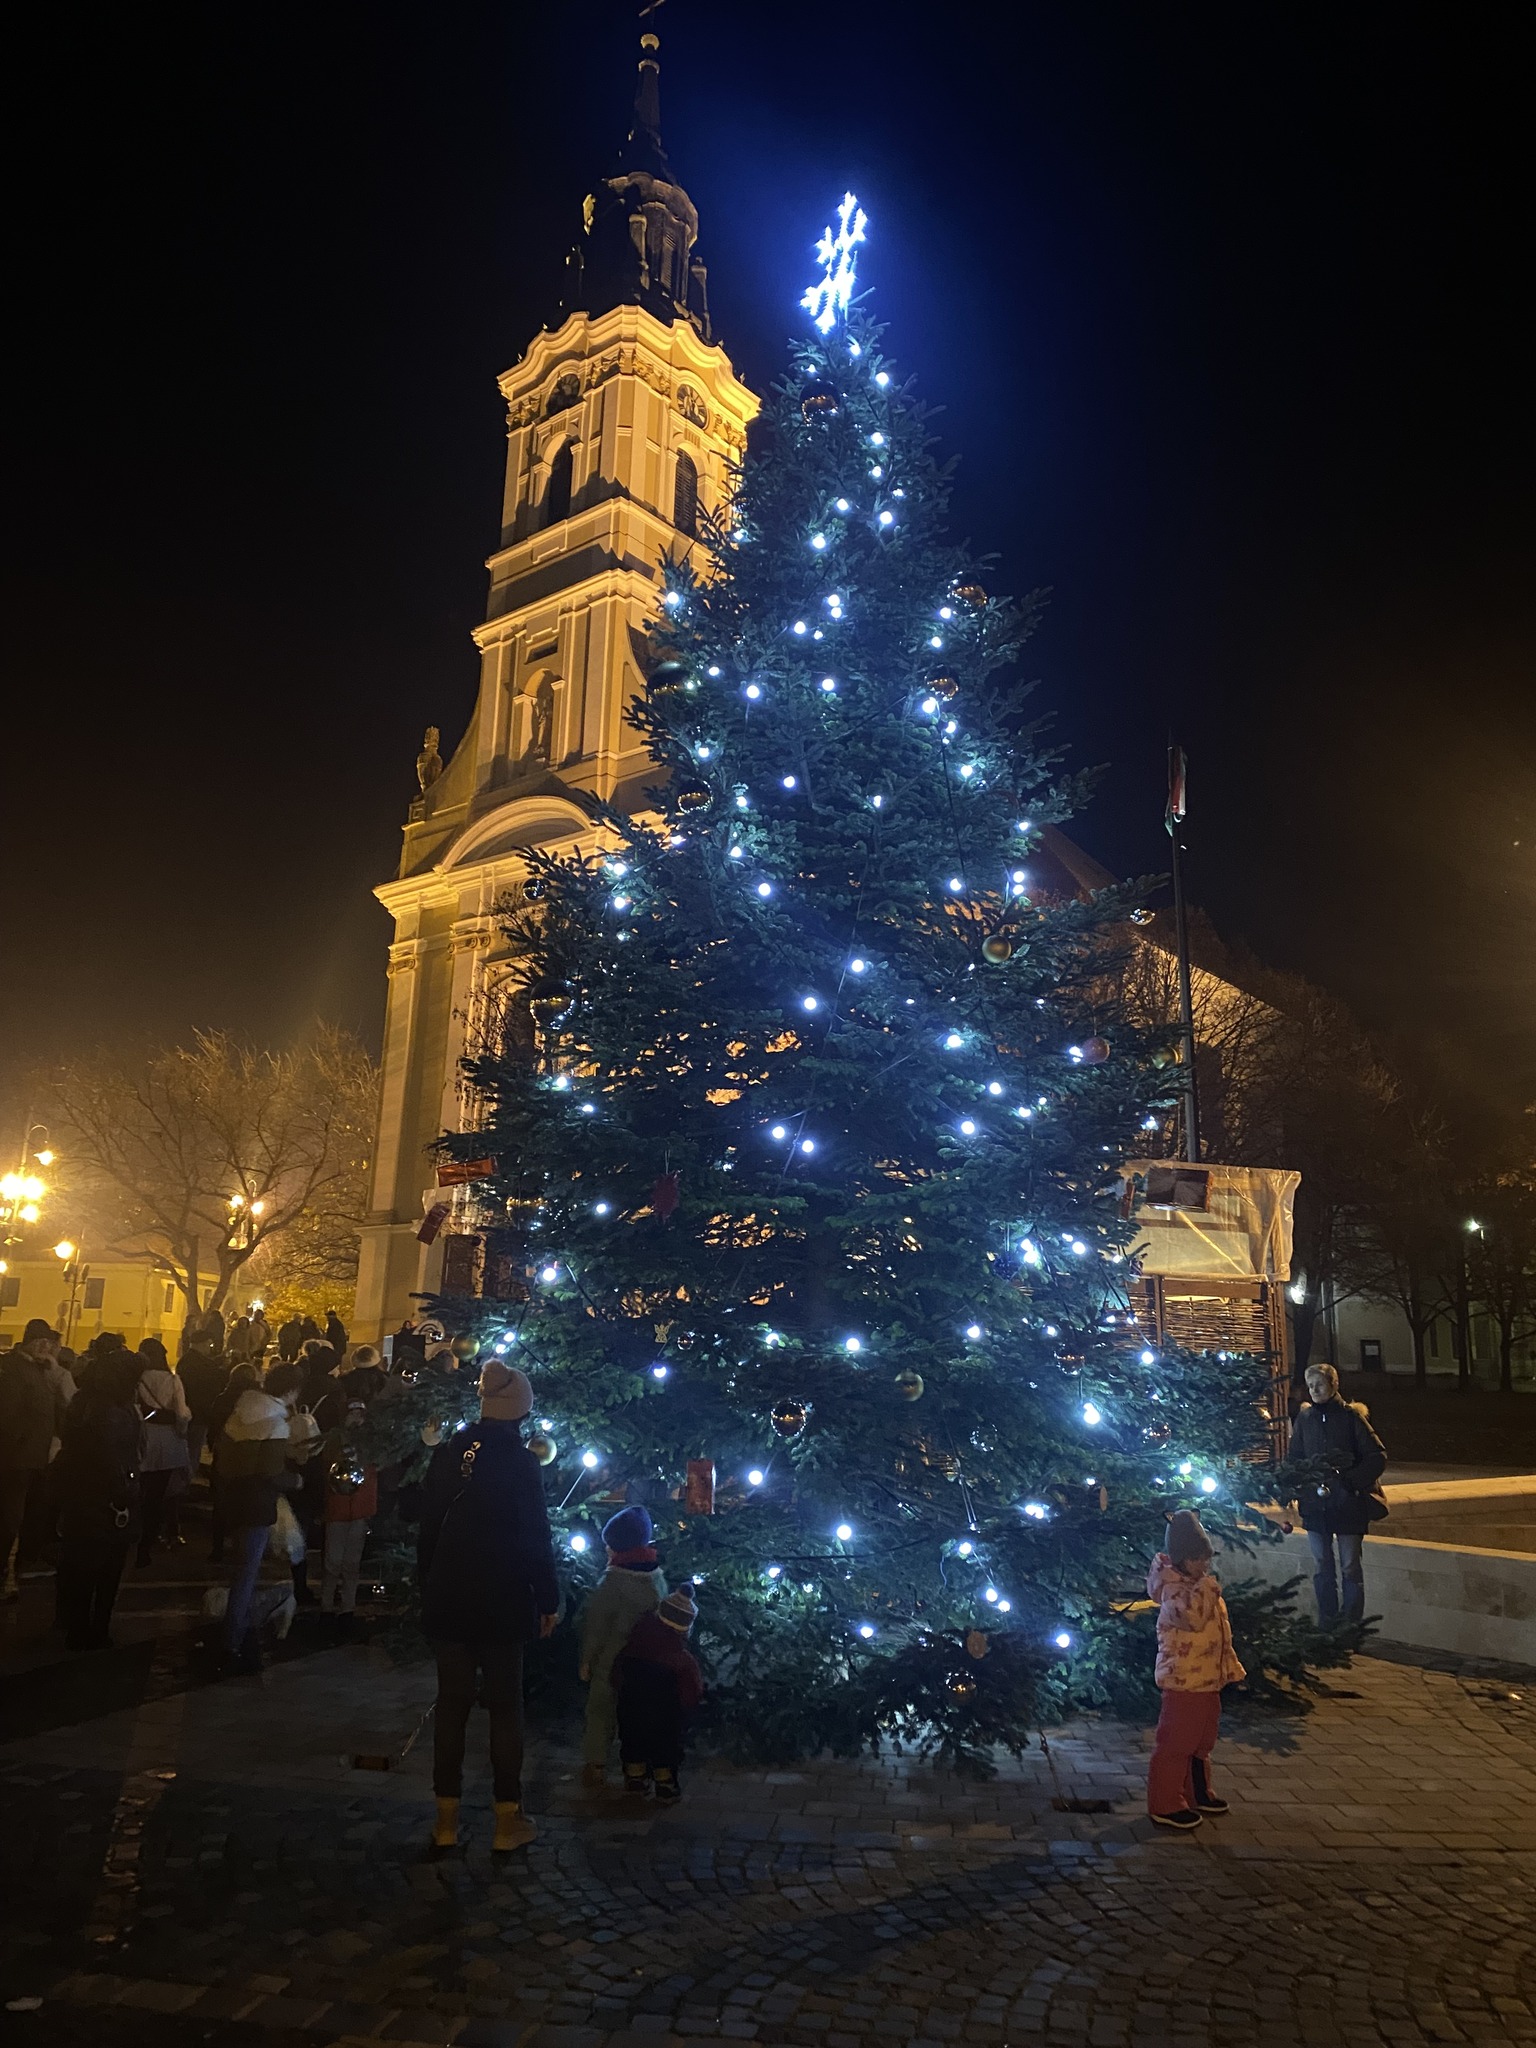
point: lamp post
(68, 1254)
(22, 1192)
(1464, 1308)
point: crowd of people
(96, 1455)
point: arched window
(685, 496)
(557, 499)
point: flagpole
(1176, 800)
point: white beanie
(505, 1393)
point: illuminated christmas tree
(814, 1173)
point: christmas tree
(813, 1174)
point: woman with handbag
(96, 1477)
(164, 1460)
(1337, 1510)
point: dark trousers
(650, 1716)
(1325, 1584)
(157, 1510)
(14, 1484)
(502, 1691)
(91, 1563)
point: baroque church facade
(622, 424)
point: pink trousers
(1187, 1728)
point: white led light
(1036, 1510)
(562, 1081)
(857, 966)
(887, 518)
(991, 1594)
(929, 705)
(741, 801)
(807, 1144)
(800, 626)
(818, 540)
(789, 781)
(810, 1002)
(659, 1372)
(882, 378)
(853, 1344)
(1080, 1248)
(954, 1042)
(967, 1128)
(1019, 875)
(591, 1460)
(550, 1273)
(713, 669)
(876, 801)
(844, 1535)
(955, 885)
(946, 611)
(994, 1087)
(877, 472)
(1092, 1414)
(1062, 1640)
(673, 599)
(1149, 1358)
(703, 752)
(973, 1331)
(1185, 1469)
(934, 640)
(1005, 1607)
(765, 888)
(778, 1132)
(865, 1630)
(1024, 825)
(736, 853)
(950, 726)
(963, 1549)
(589, 1109)
(877, 439)
(843, 505)
(775, 1571)
(1207, 1486)
(578, 1543)
(1031, 1253)
(753, 691)
(829, 682)
(755, 1477)
(967, 771)
(621, 903)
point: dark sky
(1225, 307)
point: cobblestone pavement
(209, 1867)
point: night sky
(1225, 308)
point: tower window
(685, 496)
(557, 499)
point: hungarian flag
(1177, 770)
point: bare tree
(200, 1157)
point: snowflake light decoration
(830, 295)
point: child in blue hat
(631, 1587)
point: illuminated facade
(621, 424)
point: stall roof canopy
(1210, 1222)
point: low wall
(1495, 1514)
(1433, 1596)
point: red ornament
(699, 1493)
(664, 1196)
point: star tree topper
(832, 292)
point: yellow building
(621, 424)
(107, 1294)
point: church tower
(622, 423)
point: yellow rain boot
(514, 1830)
(445, 1829)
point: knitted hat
(678, 1610)
(629, 1529)
(1187, 1539)
(505, 1395)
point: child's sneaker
(667, 1786)
(636, 1780)
(1184, 1820)
(1205, 1799)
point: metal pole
(1186, 999)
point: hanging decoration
(668, 680)
(818, 400)
(830, 297)
(909, 1385)
(664, 1197)
(535, 888)
(998, 948)
(548, 1001)
(690, 795)
(789, 1418)
(543, 1447)
(1093, 1052)
(699, 1490)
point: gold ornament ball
(535, 887)
(997, 949)
(909, 1385)
(668, 680)
(972, 594)
(543, 1447)
(818, 401)
(944, 683)
(466, 1347)
(788, 1418)
(1094, 1051)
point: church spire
(639, 225)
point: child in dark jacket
(631, 1587)
(658, 1685)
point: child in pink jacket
(1195, 1659)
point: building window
(95, 1293)
(10, 1289)
(170, 1298)
(557, 499)
(685, 496)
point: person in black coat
(1337, 1511)
(488, 1587)
(96, 1478)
